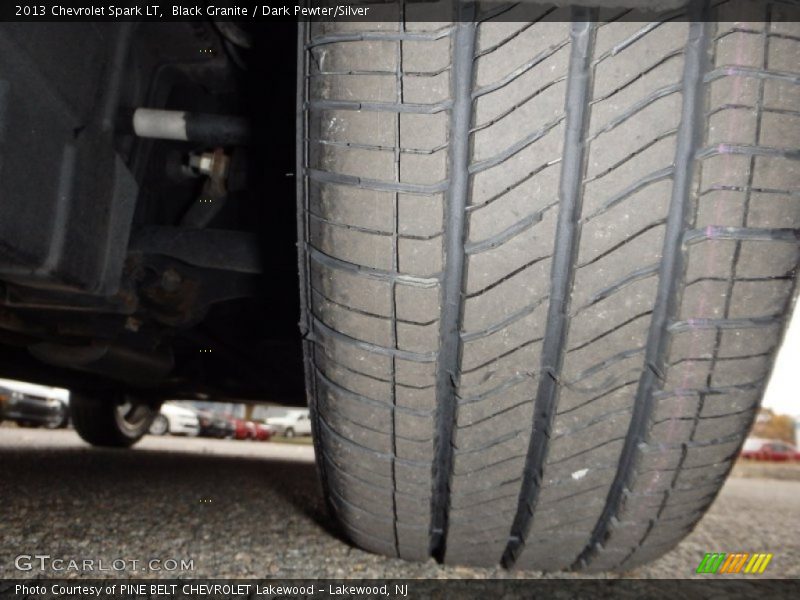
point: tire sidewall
(103, 420)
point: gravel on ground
(250, 509)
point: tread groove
(370, 272)
(515, 148)
(524, 344)
(637, 77)
(505, 278)
(370, 401)
(372, 377)
(508, 233)
(520, 70)
(579, 85)
(453, 280)
(635, 108)
(375, 184)
(687, 141)
(647, 180)
(607, 332)
(380, 36)
(509, 320)
(326, 331)
(517, 105)
(511, 382)
(406, 107)
(615, 287)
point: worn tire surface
(546, 267)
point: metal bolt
(170, 280)
(204, 163)
(132, 324)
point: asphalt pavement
(247, 509)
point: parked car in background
(34, 405)
(176, 420)
(769, 450)
(294, 421)
(214, 425)
(241, 431)
(263, 432)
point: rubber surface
(94, 420)
(546, 268)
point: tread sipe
(545, 268)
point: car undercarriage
(146, 238)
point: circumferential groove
(452, 291)
(562, 273)
(669, 274)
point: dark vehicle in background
(214, 425)
(32, 410)
(769, 450)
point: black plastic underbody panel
(66, 198)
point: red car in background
(769, 450)
(263, 432)
(240, 429)
(248, 430)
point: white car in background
(176, 420)
(31, 405)
(291, 422)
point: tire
(61, 421)
(159, 426)
(53, 424)
(289, 433)
(117, 422)
(65, 418)
(537, 334)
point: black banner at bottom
(395, 589)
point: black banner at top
(385, 10)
